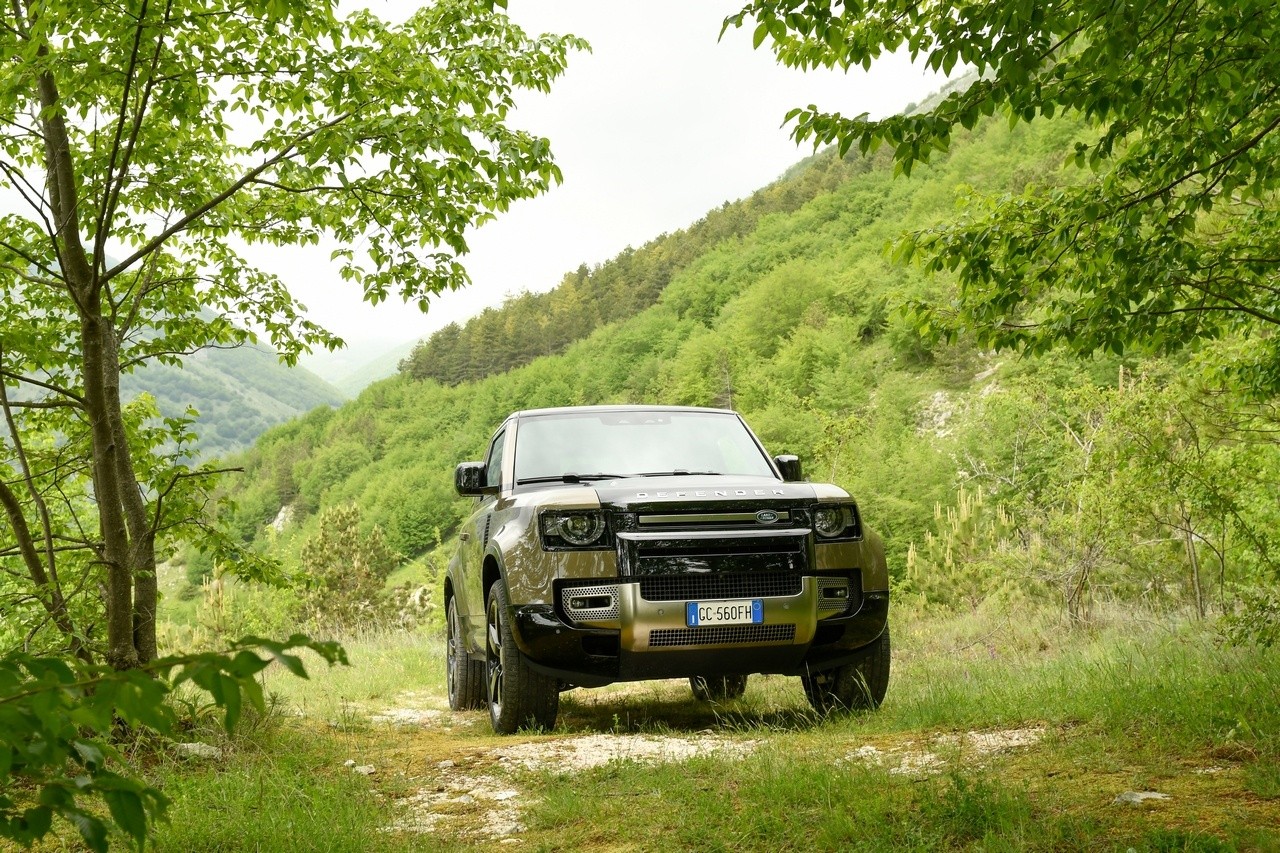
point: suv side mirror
(468, 479)
(789, 466)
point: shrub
(344, 572)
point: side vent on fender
(484, 540)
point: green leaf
(91, 829)
(293, 663)
(34, 823)
(90, 754)
(229, 691)
(127, 811)
(758, 37)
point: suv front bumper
(653, 640)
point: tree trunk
(128, 550)
(1189, 541)
(142, 545)
(1077, 589)
(107, 486)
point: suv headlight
(575, 529)
(837, 521)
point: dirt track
(451, 776)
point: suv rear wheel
(519, 697)
(857, 686)
(464, 676)
(718, 688)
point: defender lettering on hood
(715, 493)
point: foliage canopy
(1171, 234)
(143, 147)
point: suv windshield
(636, 443)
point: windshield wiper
(679, 472)
(569, 478)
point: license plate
(745, 611)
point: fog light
(591, 602)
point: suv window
(637, 442)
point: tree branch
(20, 379)
(35, 262)
(49, 595)
(283, 154)
(58, 609)
(115, 183)
(15, 550)
(318, 188)
(135, 361)
(43, 404)
(1221, 161)
(173, 483)
(33, 197)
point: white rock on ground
(503, 804)
(1137, 798)
(581, 753)
(905, 761)
(198, 750)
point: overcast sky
(658, 124)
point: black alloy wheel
(519, 696)
(464, 676)
(857, 686)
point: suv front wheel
(857, 686)
(519, 697)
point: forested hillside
(238, 393)
(990, 475)
(536, 324)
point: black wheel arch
(491, 571)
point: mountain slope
(361, 376)
(239, 393)
(536, 324)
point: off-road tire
(857, 686)
(464, 676)
(518, 696)
(718, 688)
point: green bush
(58, 724)
(343, 575)
(965, 560)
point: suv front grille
(679, 519)
(648, 553)
(696, 587)
(721, 634)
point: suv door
(474, 536)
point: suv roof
(619, 408)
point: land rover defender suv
(626, 543)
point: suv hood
(640, 493)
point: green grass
(1137, 704)
(382, 667)
(289, 793)
(775, 802)
(1168, 685)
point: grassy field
(1000, 732)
